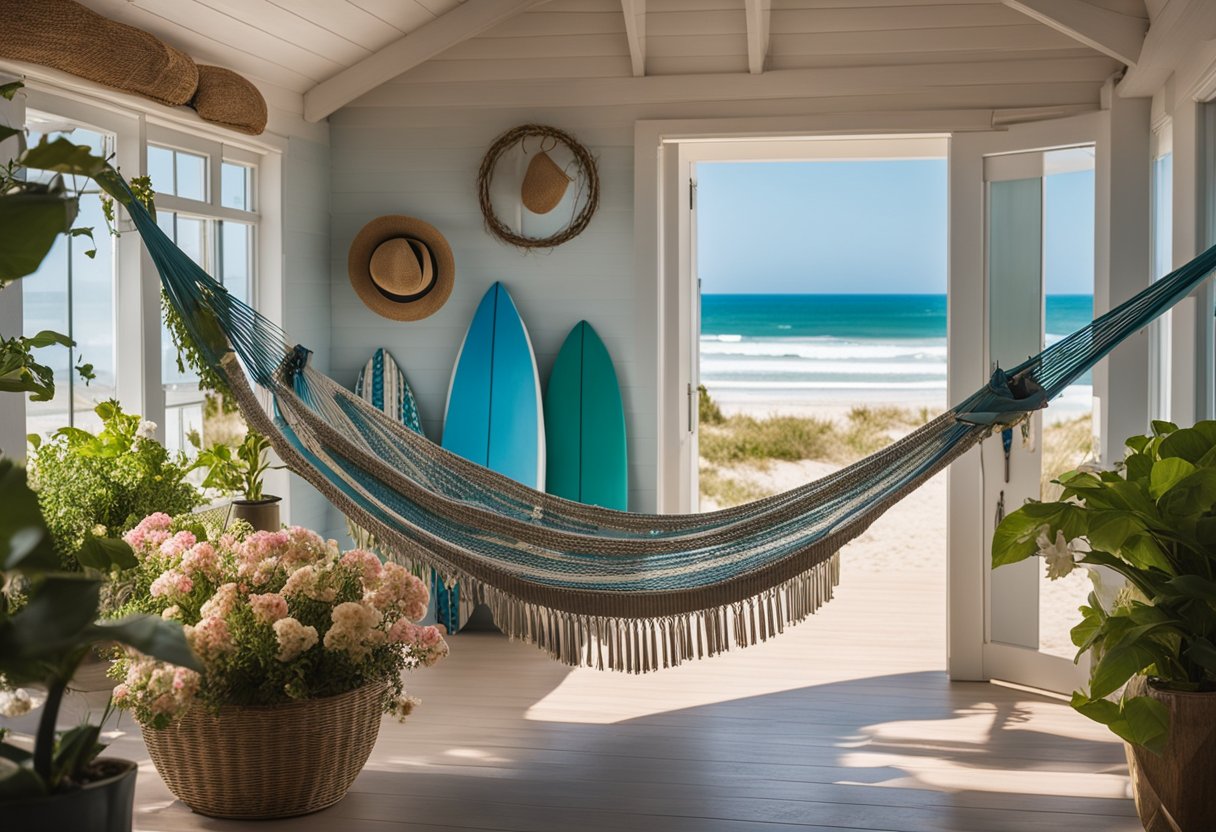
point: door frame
(971, 655)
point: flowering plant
(102, 484)
(1152, 521)
(273, 616)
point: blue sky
(846, 227)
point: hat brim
(386, 228)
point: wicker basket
(268, 762)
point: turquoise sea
(804, 348)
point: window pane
(192, 239)
(191, 176)
(73, 294)
(236, 242)
(160, 169)
(93, 312)
(188, 233)
(235, 189)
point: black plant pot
(262, 514)
(101, 806)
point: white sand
(910, 539)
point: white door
(1008, 226)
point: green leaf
(106, 553)
(76, 749)
(152, 636)
(62, 156)
(25, 543)
(30, 222)
(1137, 443)
(1188, 443)
(1166, 474)
(1193, 587)
(7, 132)
(47, 337)
(1014, 539)
(1086, 633)
(1138, 466)
(1140, 720)
(1109, 530)
(1163, 428)
(1123, 661)
(9, 90)
(53, 622)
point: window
(73, 293)
(1160, 331)
(205, 203)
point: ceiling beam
(1117, 35)
(463, 22)
(635, 31)
(758, 14)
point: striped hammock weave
(591, 586)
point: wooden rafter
(758, 14)
(1117, 35)
(461, 23)
(635, 31)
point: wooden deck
(845, 723)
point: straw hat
(401, 267)
(544, 184)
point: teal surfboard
(382, 383)
(588, 460)
(494, 414)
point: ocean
(806, 349)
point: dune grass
(1066, 444)
(743, 439)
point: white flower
(1058, 554)
(15, 702)
(146, 429)
(1108, 586)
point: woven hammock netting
(592, 586)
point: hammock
(591, 586)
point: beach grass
(736, 450)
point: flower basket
(272, 761)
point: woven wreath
(586, 178)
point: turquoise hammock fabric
(592, 586)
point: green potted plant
(48, 624)
(1153, 642)
(302, 650)
(241, 470)
(110, 479)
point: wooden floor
(844, 723)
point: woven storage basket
(229, 99)
(67, 36)
(268, 762)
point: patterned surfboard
(382, 383)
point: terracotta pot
(1174, 790)
(262, 514)
(101, 806)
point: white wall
(424, 163)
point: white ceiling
(292, 46)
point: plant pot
(1173, 790)
(101, 806)
(272, 761)
(262, 514)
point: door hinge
(692, 194)
(691, 429)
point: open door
(1003, 222)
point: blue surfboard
(495, 416)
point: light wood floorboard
(844, 723)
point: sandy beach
(910, 539)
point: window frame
(135, 124)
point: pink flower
(354, 629)
(221, 603)
(293, 637)
(366, 563)
(121, 692)
(398, 586)
(210, 637)
(149, 533)
(202, 558)
(171, 582)
(268, 608)
(177, 545)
